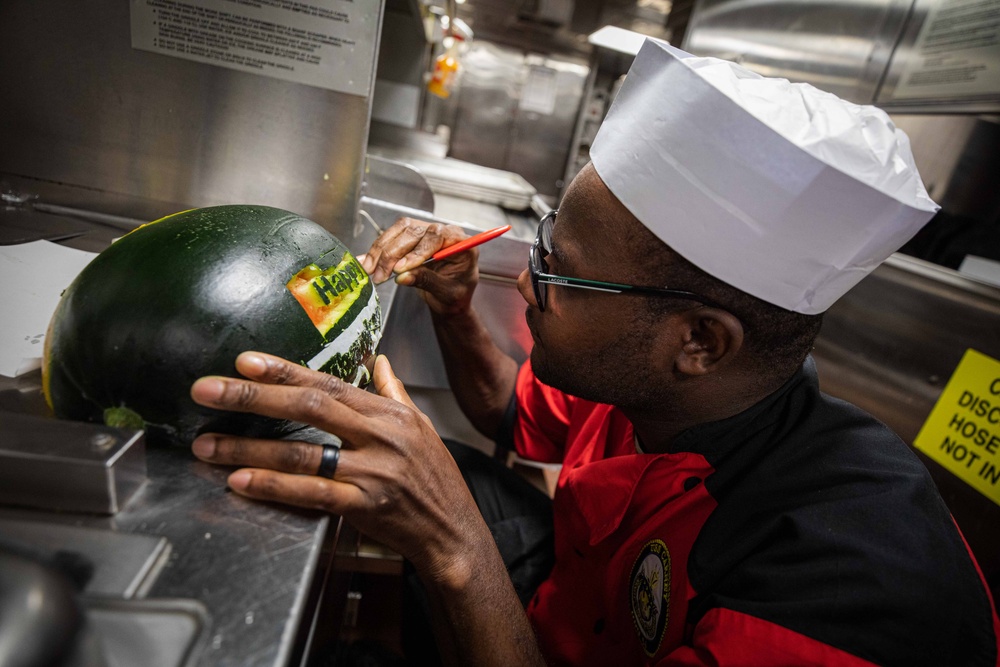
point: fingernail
(405, 278)
(240, 480)
(208, 389)
(252, 363)
(204, 446)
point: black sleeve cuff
(505, 433)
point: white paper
(324, 43)
(32, 278)
(539, 92)
(957, 52)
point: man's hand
(395, 480)
(481, 375)
(446, 285)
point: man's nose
(524, 287)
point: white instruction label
(957, 52)
(324, 43)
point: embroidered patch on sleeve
(650, 594)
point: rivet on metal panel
(103, 441)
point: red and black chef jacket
(799, 532)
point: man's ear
(712, 338)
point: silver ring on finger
(328, 462)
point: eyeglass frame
(536, 264)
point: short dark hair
(776, 339)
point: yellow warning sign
(962, 432)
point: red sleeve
(543, 416)
(724, 637)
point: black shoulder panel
(830, 526)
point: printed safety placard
(962, 432)
(324, 43)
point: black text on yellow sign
(962, 432)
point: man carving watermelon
(714, 508)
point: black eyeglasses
(541, 279)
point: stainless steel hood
(926, 56)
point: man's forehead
(596, 218)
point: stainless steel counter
(252, 566)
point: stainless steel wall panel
(541, 141)
(403, 60)
(840, 47)
(865, 357)
(517, 113)
(959, 160)
(491, 80)
(84, 108)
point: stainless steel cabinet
(517, 112)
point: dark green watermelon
(180, 298)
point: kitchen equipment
(71, 466)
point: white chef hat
(778, 189)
